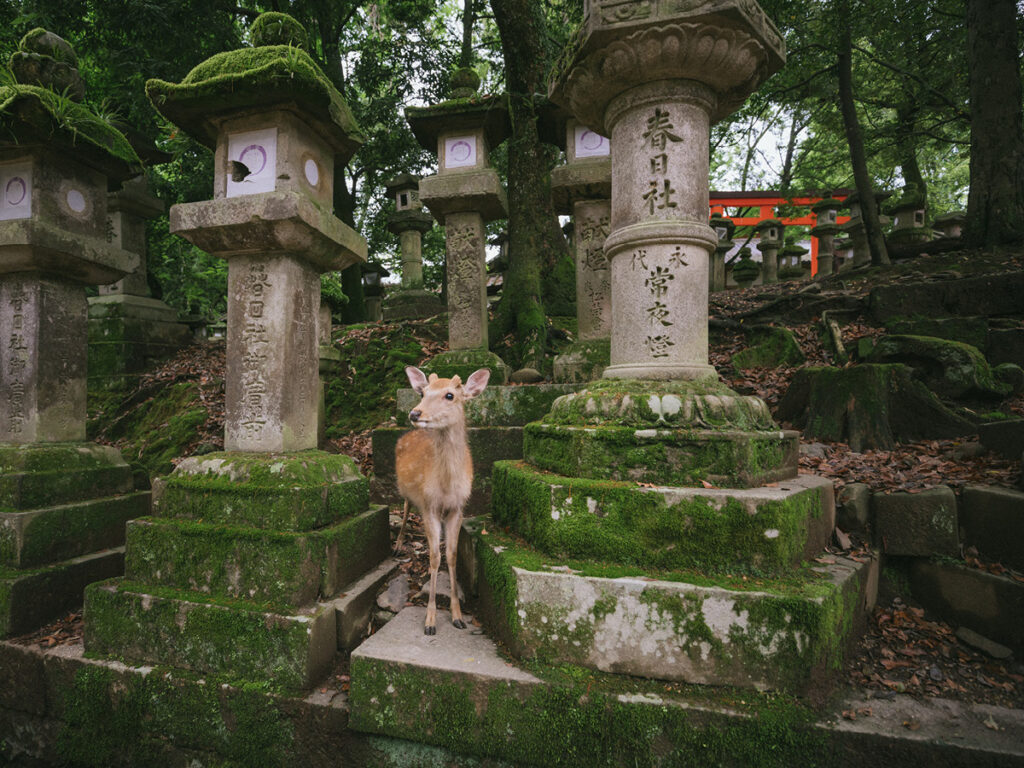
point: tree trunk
(995, 205)
(468, 19)
(534, 234)
(858, 157)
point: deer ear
(433, 378)
(476, 382)
(416, 379)
(456, 381)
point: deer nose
(414, 416)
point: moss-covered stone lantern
(826, 228)
(951, 224)
(770, 240)
(235, 573)
(723, 228)
(463, 195)
(746, 270)
(857, 232)
(908, 214)
(373, 273)
(63, 501)
(790, 267)
(410, 222)
(582, 188)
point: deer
(434, 470)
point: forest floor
(904, 650)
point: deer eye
(449, 396)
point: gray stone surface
(922, 524)
(982, 643)
(396, 594)
(467, 281)
(992, 520)
(853, 507)
(355, 605)
(1005, 438)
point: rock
(853, 507)
(969, 450)
(987, 295)
(444, 589)
(868, 406)
(921, 524)
(1005, 438)
(948, 368)
(982, 643)
(1010, 374)
(815, 450)
(1005, 345)
(396, 595)
(992, 521)
(526, 376)
(772, 347)
(966, 330)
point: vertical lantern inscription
(657, 142)
(659, 280)
(17, 360)
(594, 277)
(255, 347)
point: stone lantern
(746, 270)
(278, 129)
(790, 267)
(856, 230)
(410, 222)
(770, 236)
(908, 218)
(373, 291)
(63, 501)
(463, 195)
(826, 227)
(842, 259)
(951, 224)
(723, 228)
(582, 189)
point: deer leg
(452, 526)
(432, 527)
(401, 531)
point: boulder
(1005, 438)
(867, 406)
(948, 368)
(771, 347)
(967, 330)
(987, 295)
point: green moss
(45, 474)
(31, 110)
(463, 362)
(772, 347)
(272, 28)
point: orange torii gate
(766, 202)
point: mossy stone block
(663, 456)
(254, 564)
(764, 530)
(141, 624)
(45, 474)
(32, 597)
(583, 361)
(496, 406)
(949, 368)
(298, 491)
(36, 537)
(771, 347)
(966, 330)
(917, 524)
(788, 633)
(463, 362)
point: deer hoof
(430, 630)
(458, 623)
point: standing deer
(435, 471)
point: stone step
(289, 651)
(36, 537)
(46, 474)
(686, 456)
(255, 564)
(298, 491)
(31, 598)
(767, 529)
(785, 633)
(992, 520)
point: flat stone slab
(31, 598)
(992, 520)
(686, 456)
(783, 634)
(37, 537)
(921, 524)
(1005, 438)
(279, 567)
(354, 606)
(44, 474)
(147, 625)
(768, 529)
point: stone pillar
(826, 227)
(723, 231)
(770, 236)
(842, 259)
(63, 502)
(410, 222)
(463, 195)
(582, 188)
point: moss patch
(771, 347)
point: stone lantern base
(583, 361)
(63, 509)
(237, 571)
(412, 304)
(660, 529)
(462, 363)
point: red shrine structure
(765, 204)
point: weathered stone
(772, 347)
(583, 361)
(966, 330)
(992, 521)
(982, 643)
(986, 296)
(467, 286)
(949, 368)
(50, 474)
(1009, 375)
(355, 606)
(853, 507)
(921, 524)
(715, 530)
(1005, 345)
(479, 192)
(704, 632)
(462, 362)
(395, 596)
(1005, 438)
(973, 598)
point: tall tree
(534, 234)
(995, 206)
